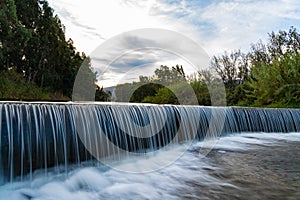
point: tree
(284, 42)
(164, 96)
(275, 70)
(165, 75)
(47, 54)
(231, 67)
(33, 43)
(85, 84)
(13, 36)
(14, 87)
(101, 95)
(276, 83)
(259, 54)
(277, 46)
(144, 91)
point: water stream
(51, 151)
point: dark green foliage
(146, 90)
(164, 96)
(202, 93)
(233, 69)
(152, 89)
(166, 86)
(13, 36)
(275, 72)
(101, 95)
(33, 43)
(49, 60)
(165, 75)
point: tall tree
(231, 68)
(32, 41)
(13, 36)
(49, 60)
(277, 46)
(275, 70)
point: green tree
(166, 75)
(231, 67)
(201, 90)
(144, 91)
(33, 43)
(13, 36)
(101, 95)
(164, 96)
(277, 46)
(276, 84)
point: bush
(14, 87)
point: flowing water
(248, 166)
(50, 151)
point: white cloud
(215, 25)
(218, 26)
(106, 18)
(240, 23)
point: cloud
(215, 25)
(227, 25)
(236, 24)
(127, 56)
(68, 16)
(126, 66)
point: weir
(43, 135)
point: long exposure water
(53, 151)
(240, 166)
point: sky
(216, 26)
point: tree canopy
(33, 44)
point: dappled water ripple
(265, 171)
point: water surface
(241, 166)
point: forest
(38, 62)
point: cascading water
(39, 135)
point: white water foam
(245, 141)
(101, 183)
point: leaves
(32, 41)
(276, 83)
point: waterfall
(43, 135)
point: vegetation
(13, 86)
(275, 71)
(266, 76)
(156, 89)
(36, 60)
(38, 63)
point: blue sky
(217, 26)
